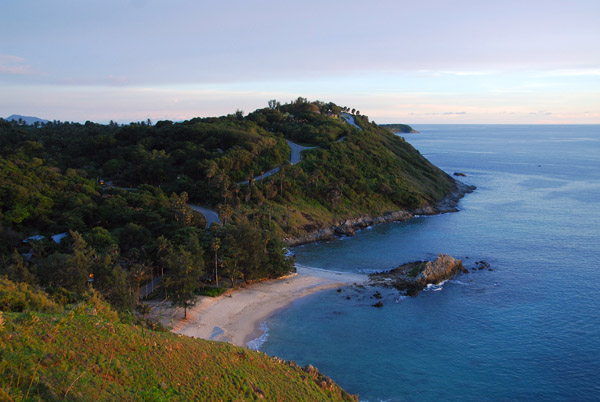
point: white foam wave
(372, 271)
(435, 287)
(401, 298)
(256, 344)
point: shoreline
(237, 315)
(348, 227)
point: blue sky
(416, 62)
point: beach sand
(236, 316)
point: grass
(416, 269)
(83, 352)
(210, 291)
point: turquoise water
(528, 330)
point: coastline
(347, 227)
(237, 315)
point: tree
(216, 244)
(182, 277)
(210, 171)
(179, 205)
(137, 274)
(111, 280)
(78, 265)
(274, 105)
(17, 269)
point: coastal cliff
(415, 276)
(349, 226)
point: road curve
(350, 120)
(296, 155)
(210, 215)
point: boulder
(415, 276)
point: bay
(527, 330)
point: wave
(256, 344)
(435, 287)
(368, 271)
(401, 298)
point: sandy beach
(236, 316)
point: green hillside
(83, 352)
(107, 206)
(108, 203)
(399, 128)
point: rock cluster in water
(415, 276)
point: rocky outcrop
(415, 276)
(348, 227)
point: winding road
(350, 120)
(295, 157)
(210, 215)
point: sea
(527, 329)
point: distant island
(96, 220)
(399, 128)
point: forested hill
(370, 171)
(399, 128)
(109, 202)
(105, 207)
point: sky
(415, 62)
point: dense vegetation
(398, 128)
(117, 195)
(83, 352)
(91, 209)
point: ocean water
(528, 330)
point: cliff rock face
(415, 276)
(349, 226)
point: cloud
(109, 80)
(459, 73)
(14, 65)
(583, 72)
(438, 113)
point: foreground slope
(84, 352)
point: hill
(83, 352)
(108, 206)
(117, 196)
(399, 128)
(29, 120)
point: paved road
(296, 155)
(210, 215)
(350, 120)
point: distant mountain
(29, 120)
